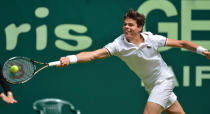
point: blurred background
(45, 30)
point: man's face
(130, 28)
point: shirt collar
(143, 44)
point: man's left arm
(189, 46)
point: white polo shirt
(144, 60)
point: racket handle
(54, 63)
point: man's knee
(176, 108)
(169, 112)
(152, 108)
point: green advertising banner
(45, 30)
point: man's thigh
(163, 94)
(176, 108)
(152, 108)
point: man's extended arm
(189, 46)
(84, 57)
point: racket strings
(25, 72)
(8, 67)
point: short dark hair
(140, 18)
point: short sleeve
(112, 48)
(159, 41)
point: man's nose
(126, 26)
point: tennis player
(139, 50)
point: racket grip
(54, 63)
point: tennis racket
(26, 69)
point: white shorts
(162, 93)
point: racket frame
(35, 68)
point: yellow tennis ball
(14, 68)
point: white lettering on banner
(171, 28)
(61, 31)
(12, 33)
(200, 75)
(41, 31)
(189, 25)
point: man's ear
(140, 28)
